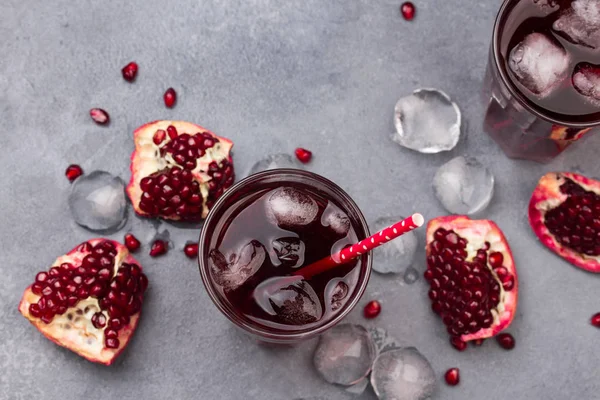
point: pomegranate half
(178, 170)
(89, 301)
(472, 277)
(564, 213)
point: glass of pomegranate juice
(258, 237)
(542, 84)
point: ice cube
(290, 298)
(275, 161)
(290, 251)
(581, 24)
(97, 201)
(403, 374)
(427, 121)
(463, 185)
(336, 291)
(290, 207)
(586, 81)
(383, 340)
(345, 354)
(398, 254)
(539, 64)
(241, 266)
(336, 219)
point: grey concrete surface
(270, 75)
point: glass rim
(255, 328)
(515, 92)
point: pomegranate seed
(191, 250)
(595, 320)
(170, 97)
(506, 341)
(452, 376)
(303, 155)
(99, 116)
(372, 309)
(172, 132)
(131, 242)
(130, 71)
(159, 247)
(408, 10)
(458, 343)
(73, 172)
(35, 311)
(99, 320)
(496, 260)
(111, 343)
(159, 136)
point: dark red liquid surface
(250, 227)
(565, 103)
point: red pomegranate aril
(506, 341)
(496, 260)
(452, 376)
(115, 323)
(595, 320)
(129, 71)
(131, 242)
(99, 116)
(99, 320)
(73, 172)
(159, 137)
(372, 309)
(111, 343)
(303, 155)
(191, 250)
(408, 10)
(159, 247)
(170, 97)
(35, 311)
(41, 277)
(172, 132)
(458, 343)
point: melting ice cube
(290, 207)
(397, 255)
(586, 81)
(290, 251)
(241, 266)
(581, 24)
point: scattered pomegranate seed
(372, 309)
(131, 242)
(595, 320)
(478, 342)
(458, 343)
(130, 71)
(170, 97)
(191, 250)
(452, 376)
(73, 172)
(303, 155)
(506, 341)
(408, 10)
(159, 247)
(99, 116)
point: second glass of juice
(261, 233)
(542, 85)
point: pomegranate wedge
(89, 301)
(178, 170)
(472, 277)
(564, 213)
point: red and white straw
(362, 247)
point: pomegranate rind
(546, 196)
(477, 232)
(86, 341)
(145, 160)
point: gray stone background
(270, 75)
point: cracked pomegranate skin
(564, 213)
(472, 277)
(178, 170)
(89, 301)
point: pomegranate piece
(170, 97)
(131, 242)
(458, 343)
(73, 172)
(130, 71)
(72, 303)
(452, 376)
(99, 116)
(472, 277)
(303, 155)
(372, 309)
(408, 10)
(178, 170)
(564, 213)
(159, 247)
(506, 341)
(595, 320)
(191, 250)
